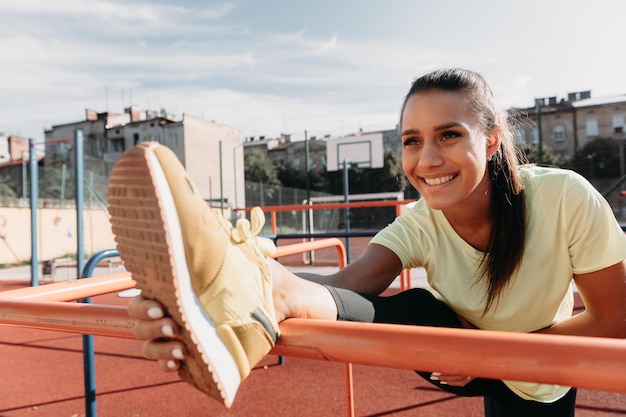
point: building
(292, 155)
(570, 123)
(13, 148)
(207, 149)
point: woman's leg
(419, 307)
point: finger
(145, 309)
(164, 350)
(453, 380)
(169, 365)
(156, 329)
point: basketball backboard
(365, 151)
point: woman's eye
(410, 141)
(449, 135)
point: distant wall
(56, 233)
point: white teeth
(438, 181)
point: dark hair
(506, 242)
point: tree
(389, 178)
(598, 159)
(530, 153)
(259, 168)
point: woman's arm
(604, 295)
(371, 273)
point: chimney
(135, 113)
(91, 115)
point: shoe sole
(149, 239)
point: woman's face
(444, 150)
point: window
(618, 123)
(520, 137)
(118, 144)
(592, 126)
(559, 133)
(172, 140)
(535, 135)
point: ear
(494, 140)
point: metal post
(308, 191)
(89, 370)
(346, 198)
(221, 181)
(24, 178)
(235, 175)
(538, 104)
(80, 198)
(88, 343)
(34, 208)
(63, 175)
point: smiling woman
(501, 245)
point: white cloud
(261, 71)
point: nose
(430, 155)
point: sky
(327, 67)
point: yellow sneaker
(212, 278)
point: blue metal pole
(80, 198)
(89, 370)
(346, 197)
(88, 346)
(221, 181)
(34, 208)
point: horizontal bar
(73, 289)
(366, 233)
(327, 206)
(583, 362)
(297, 248)
(93, 319)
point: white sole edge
(200, 324)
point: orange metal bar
(74, 289)
(342, 261)
(584, 362)
(97, 320)
(314, 245)
(593, 363)
(274, 227)
(325, 206)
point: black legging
(419, 307)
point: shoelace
(245, 230)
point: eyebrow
(436, 129)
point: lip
(438, 180)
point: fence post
(34, 209)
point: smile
(440, 180)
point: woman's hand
(452, 380)
(159, 333)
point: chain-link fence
(319, 220)
(601, 162)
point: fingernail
(155, 313)
(178, 353)
(434, 377)
(171, 365)
(167, 330)
(443, 382)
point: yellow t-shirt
(571, 229)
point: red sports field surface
(41, 374)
